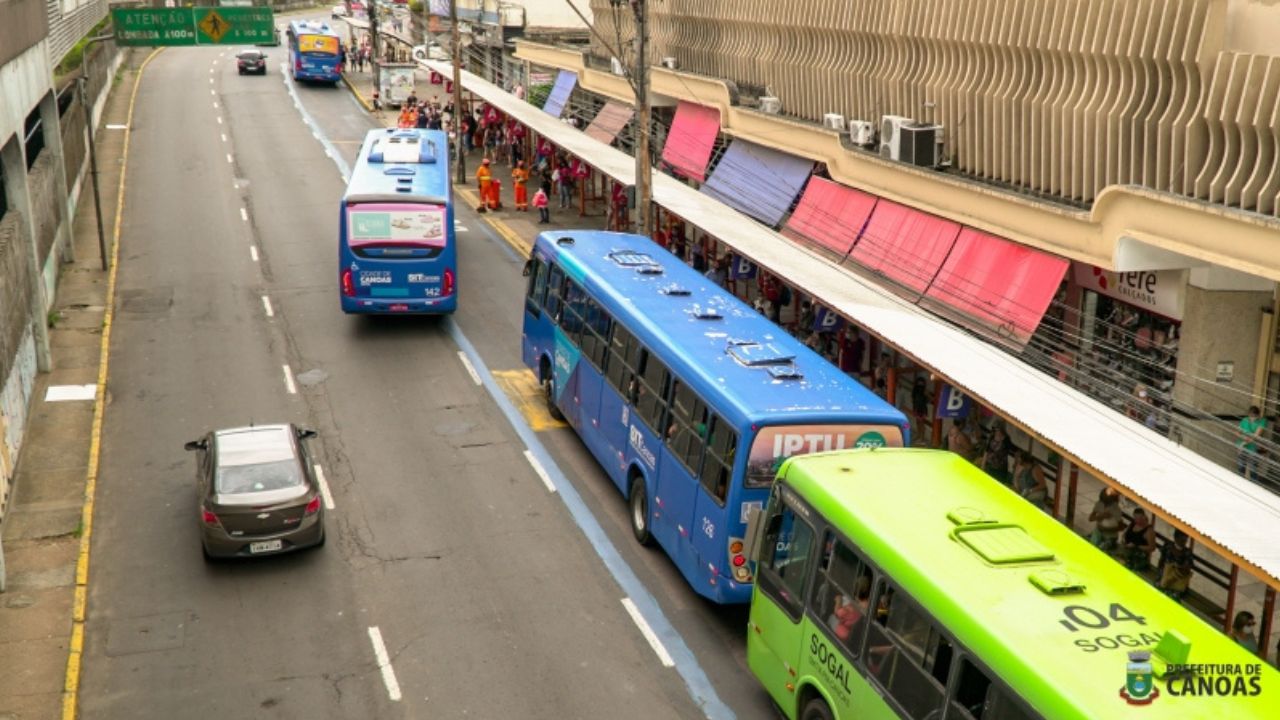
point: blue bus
(687, 397)
(396, 247)
(315, 51)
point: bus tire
(549, 391)
(638, 505)
(816, 709)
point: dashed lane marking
(658, 648)
(324, 488)
(384, 664)
(288, 380)
(540, 471)
(266, 305)
(253, 252)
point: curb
(364, 103)
(79, 608)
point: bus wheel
(549, 390)
(638, 499)
(816, 709)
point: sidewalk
(517, 228)
(43, 525)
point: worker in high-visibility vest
(484, 178)
(520, 178)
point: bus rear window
(390, 231)
(774, 444)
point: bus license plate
(266, 546)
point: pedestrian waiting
(540, 202)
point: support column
(1264, 630)
(52, 125)
(1231, 599)
(15, 178)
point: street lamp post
(639, 77)
(456, 55)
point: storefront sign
(1159, 291)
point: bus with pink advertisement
(396, 246)
(687, 397)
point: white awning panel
(1212, 503)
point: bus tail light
(348, 284)
(738, 561)
(448, 282)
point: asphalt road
(490, 598)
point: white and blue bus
(396, 246)
(688, 397)
(315, 51)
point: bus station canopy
(1210, 502)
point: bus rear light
(735, 547)
(348, 284)
(448, 282)
(739, 561)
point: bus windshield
(318, 44)
(774, 444)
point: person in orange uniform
(484, 178)
(520, 177)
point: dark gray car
(251, 61)
(258, 492)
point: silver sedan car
(258, 492)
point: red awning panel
(830, 215)
(904, 245)
(609, 121)
(1003, 287)
(691, 139)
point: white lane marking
(229, 157)
(224, 136)
(253, 252)
(471, 369)
(211, 92)
(288, 381)
(215, 102)
(542, 473)
(459, 228)
(60, 393)
(117, 127)
(219, 119)
(244, 215)
(647, 631)
(324, 487)
(215, 62)
(266, 305)
(210, 79)
(384, 664)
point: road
(490, 597)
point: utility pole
(373, 47)
(456, 56)
(644, 169)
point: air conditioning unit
(770, 105)
(919, 146)
(890, 135)
(833, 121)
(616, 64)
(862, 132)
(670, 63)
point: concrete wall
(1219, 326)
(1253, 26)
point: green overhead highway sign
(193, 26)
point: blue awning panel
(759, 181)
(560, 92)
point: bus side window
(975, 697)
(717, 463)
(619, 371)
(652, 391)
(903, 650)
(686, 426)
(786, 555)
(842, 595)
(594, 333)
(552, 302)
(537, 286)
(574, 308)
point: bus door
(775, 639)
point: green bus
(906, 583)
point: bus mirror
(752, 540)
(528, 268)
